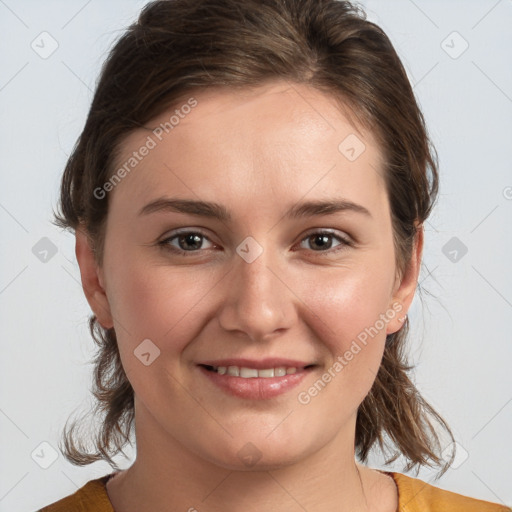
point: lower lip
(256, 388)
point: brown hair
(180, 46)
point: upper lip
(270, 362)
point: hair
(177, 47)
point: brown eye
(184, 242)
(322, 241)
(190, 241)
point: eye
(185, 242)
(322, 240)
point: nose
(257, 300)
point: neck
(166, 476)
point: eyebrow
(217, 211)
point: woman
(248, 196)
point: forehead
(270, 136)
(282, 109)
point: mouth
(256, 380)
(246, 372)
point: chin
(255, 461)
(258, 455)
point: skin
(257, 152)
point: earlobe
(92, 282)
(404, 295)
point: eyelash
(165, 244)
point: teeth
(249, 373)
(246, 373)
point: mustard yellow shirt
(414, 495)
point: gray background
(460, 340)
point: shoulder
(91, 497)
(415, 495)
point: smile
(255, 383)
(251, 373)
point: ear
(92, 279)
(403, 293)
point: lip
(256, 388)
(260, 364)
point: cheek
(166, 306)
(159, 303)
(348, 311)
(348, 302)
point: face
(275, 282)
